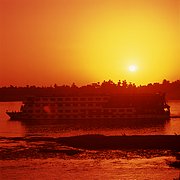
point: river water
(28, 159)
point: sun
(132, 68)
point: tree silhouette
(14, 93)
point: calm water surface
(20, 159)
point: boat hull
(22, 116)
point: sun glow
(88, 41)
(132, 68)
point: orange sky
(43, 42)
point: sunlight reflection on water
(151, 169)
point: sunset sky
(43, 42)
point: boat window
(98, 99)
(121, 110)
(29, 105)
(59, 99)
(30, 98)
(67, 99)
(106, 110)
(90, 110)
(75, 99)
(82, 99)
(52, 99)
(98, 110)
(129, 110)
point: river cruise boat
(123, 106)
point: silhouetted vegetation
(14, 93)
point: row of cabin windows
(81, 110)
(72, 99)
(78, 116)
(64, 104)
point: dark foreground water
(27, 153)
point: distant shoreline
(14, 93)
